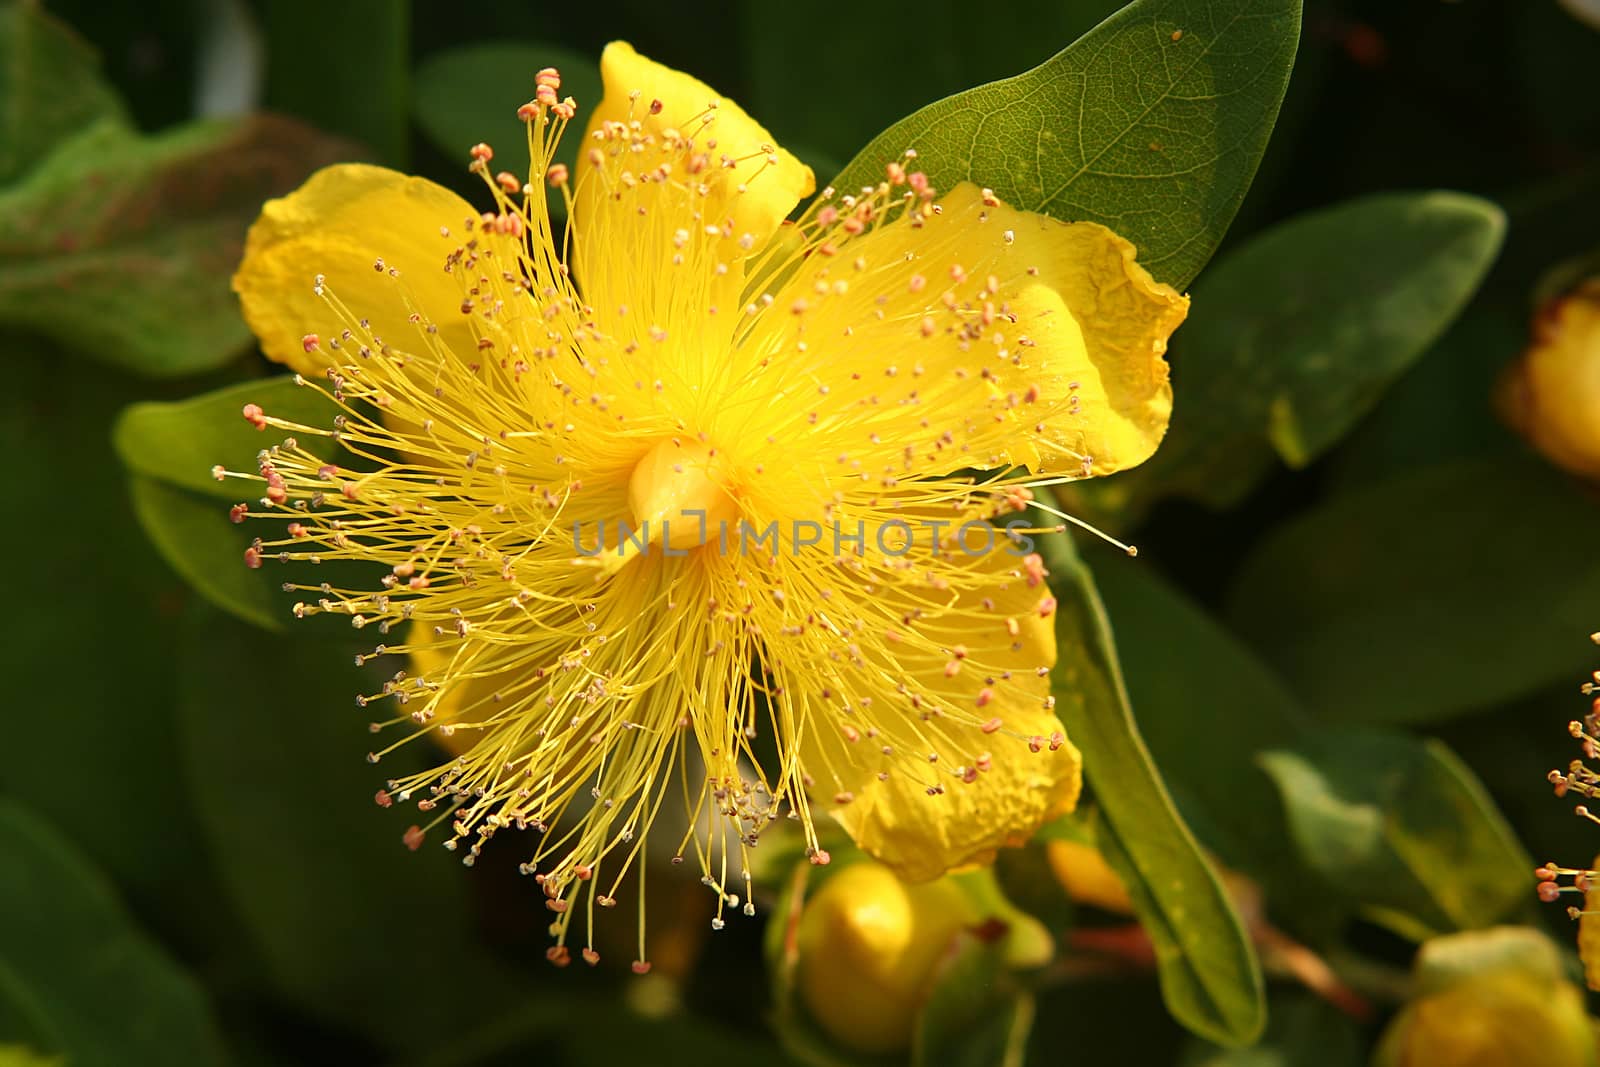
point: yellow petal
(639, 230)
(339, 224)
(983, 337)
(887, 809)
(1086, 876)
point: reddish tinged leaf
(121, 246)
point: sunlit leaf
(1152, 124)
(178, 443)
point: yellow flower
(1551, 394)
(793, 420)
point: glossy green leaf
(344, 918)
(1295, 336)
(74, 968)
(120, 246)
(1434, 593)
(199, 541)
(1209, 973)
(471, 94)
(50, 88)
(178, 443)
(1401, 828)
(883, 73)
(343, 67)
(1152, 124)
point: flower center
(677, 497)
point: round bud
(868, 945)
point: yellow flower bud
(1551, 395)
(1487, 998)
(1086, 876)
(868, 948)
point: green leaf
(170, 449)
(1183, 667)
(343, 67)
(120, 247)
(942, 57)
(343, 916)
(92, 985)
(1441, 591)
(179, 443)
(976, 1015)
(195, 535)
(1210, 977)
(89, 644)
(1441, 409)
(1403, 829)
(471, 94)
(1295, 336)
(50, 88)
(1152, 124)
